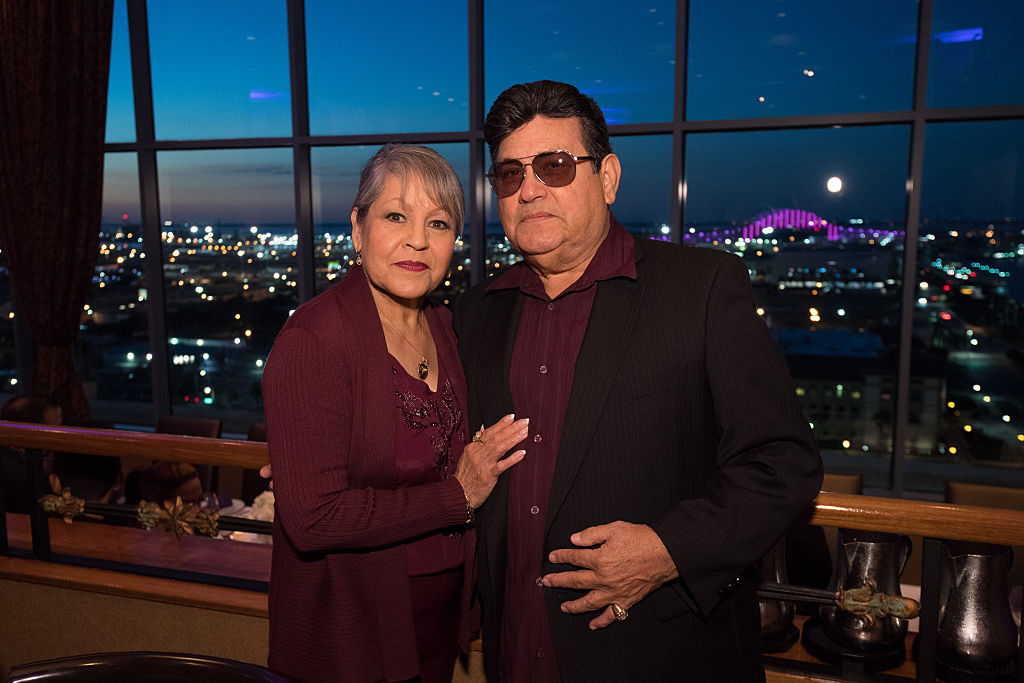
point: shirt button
(543, 369)
(540, 654)
(551, 307)
(540, 581)
(534, 510)
(537, 438)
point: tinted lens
(555, 169)
(506, 177)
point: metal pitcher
(866, 558)
(976, 628)
(776, 615)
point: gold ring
(619, 612)
(479, 433)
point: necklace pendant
(423, 367)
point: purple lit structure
(798, 220)
(791, 218)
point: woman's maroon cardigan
(339, 589)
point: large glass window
(975, 55)
(622, 54)
(644, 202)
(220, 69)
(817, 213)
(229, 261)
(969, 310)
(113, 343)
(8, 351)
(335, 182)
(369, 73)
(120, 102)
(818, 217)
(794, 57)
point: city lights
(829, 273)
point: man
(667, 450)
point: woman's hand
(481, 463)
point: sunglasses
(554, 169)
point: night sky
(220, 70)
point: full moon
(834, 184)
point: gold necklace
(423, 366)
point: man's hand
(629, 562)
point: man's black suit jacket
(682, 416)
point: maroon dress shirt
(543, 359)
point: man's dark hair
(521, 103)
(163, 480)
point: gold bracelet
(470, 512)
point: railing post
(38, 520)
(928, 627)
(1020, 646)
(3, 517)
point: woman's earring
(359, 259)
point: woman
(365, 403)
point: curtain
(54, 62)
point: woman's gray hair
(406, 161)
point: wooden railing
(920, 518)
(113, 442)
(933, 521)
(940, 520)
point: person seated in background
(32, 408)
(163, 481)
(95, 478)
(15, 488)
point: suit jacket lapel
(489, 375)
(616, 304)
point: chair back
(187, 425)
(1003, 497)
(257, 431)
(252, 483)
(843, 483)
(166, 667)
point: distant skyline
(221, 70)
